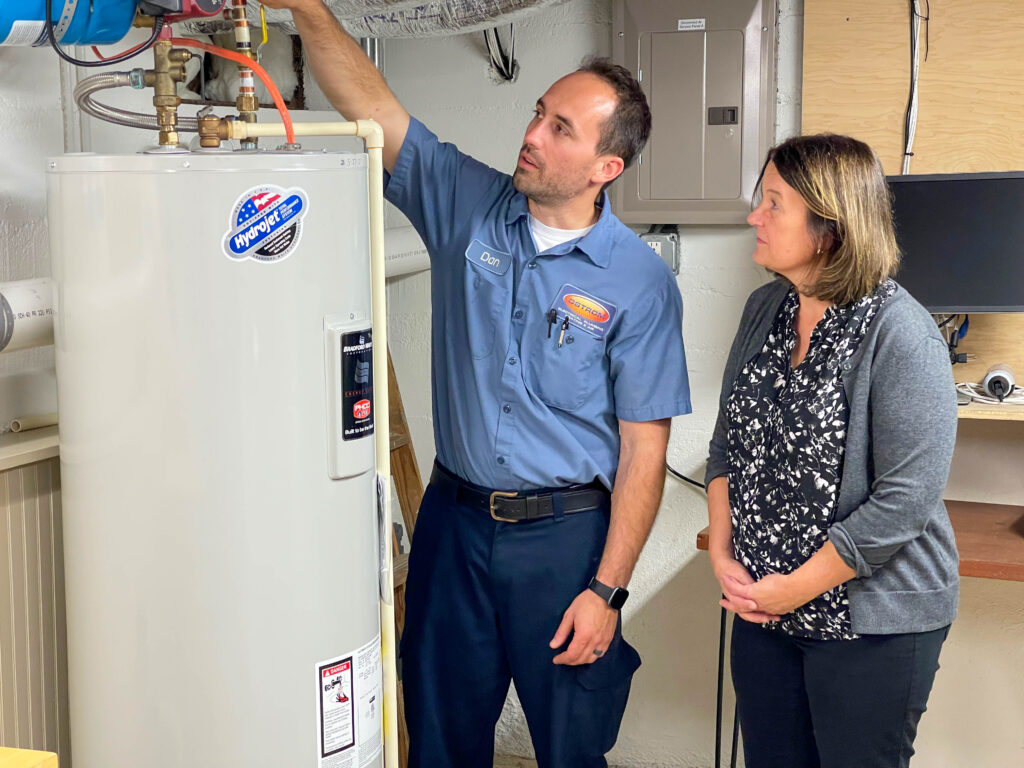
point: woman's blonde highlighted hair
(849, 212)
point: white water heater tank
(221, 541)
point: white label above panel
(690, 25)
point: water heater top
(206, 160)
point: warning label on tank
(266, 224)
(349, 709)
(357, 385)
(26, 33)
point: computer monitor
(962, 238)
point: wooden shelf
(992, 412)
(20, 448)
(990, 538)
(702, 538)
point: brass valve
(168, 70)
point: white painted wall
(977, 707)
(30, 130)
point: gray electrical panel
(708, 70)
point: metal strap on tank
(66, 16)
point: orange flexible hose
(238, 58)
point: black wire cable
(158, 26)
(718, 699)
(504, 63)
(926, 18)
(913, 82)
(684, 478)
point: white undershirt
(546, 237)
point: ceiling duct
(402, 18)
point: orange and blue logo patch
(586, 307)
(586, 312)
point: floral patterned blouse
(786, 439)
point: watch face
(618, 598)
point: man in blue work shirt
(557, 365)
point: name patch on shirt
(585, 311)
(488, 257)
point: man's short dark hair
(625, 133)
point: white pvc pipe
(373, 137)
(404, 252)
(25, 423)
(26, 314)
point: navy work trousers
(483, 601)
(831, 703)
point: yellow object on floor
(26, 758)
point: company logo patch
(266, 224)
(488, 257)
(586, 308)
(586, 312)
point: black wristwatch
(614, 596)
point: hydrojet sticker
(266, 224)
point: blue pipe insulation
(85, 22)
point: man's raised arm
(344, 73)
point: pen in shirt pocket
(565, 327)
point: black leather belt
(517, 507)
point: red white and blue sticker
(266, 224)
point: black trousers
(831, 703)
(483, 601)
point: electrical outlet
(666, 245)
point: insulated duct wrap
(401, 18)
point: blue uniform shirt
(513, 408)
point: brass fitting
(168, 70)
(213, 130)
(247, 104)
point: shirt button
(501, 459)
(511, 361)
(518, 314)
(506, 408)
(532, 265)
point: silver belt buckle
(495, 515)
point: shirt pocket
(485, 295)
(565, 376)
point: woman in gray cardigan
(835, 432)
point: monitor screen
(962, 239)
